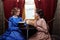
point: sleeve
(10, 24)
(21, 19)
(44, 24)
(42, 27)
(25, 24)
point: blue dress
(13, 32)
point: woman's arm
(42, 26)
(11, 23)
(41, 29)
(11, 27)
(30, 22)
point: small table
(28, 30)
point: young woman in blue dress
(13, 32)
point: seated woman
(13, 32)
(41, 26)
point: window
(29, 9)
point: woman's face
(36, 15)
(18, 12)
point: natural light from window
(29, 9)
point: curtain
(8, 5)
(36, 3)
(48, 7)
(21, 6)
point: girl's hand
(26, 21)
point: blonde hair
(14, 10)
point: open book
(21, 24)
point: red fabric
(9, 4)
(36, 3)
(48, 7)
(21, 6)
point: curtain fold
(36, 3)
(8, 5)
(21, 6)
